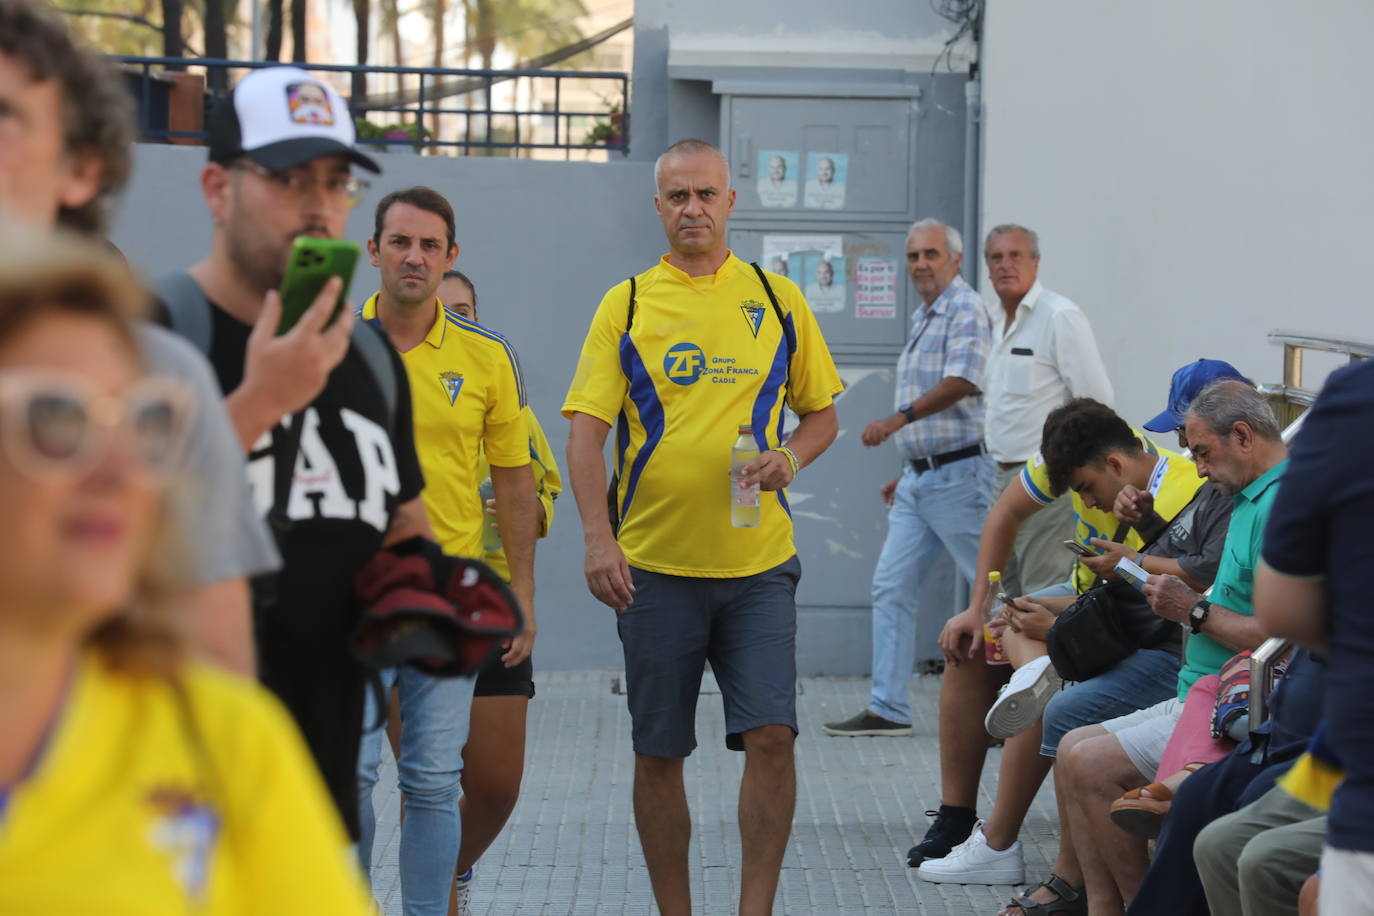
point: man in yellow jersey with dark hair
(466, 388)
(680, 357)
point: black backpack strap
(376, 352)
(187, 308)
(787, 330)
(622, 427)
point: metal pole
(255, 51)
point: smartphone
(1080, 549)
(313, 261)
(1130, 571)
(1005, 599)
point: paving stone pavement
(570, 847)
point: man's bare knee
(658, 768)
(771, 742)
(1099, 761)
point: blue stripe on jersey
(1035, 492)
(650, 416)
(458, 321)
(763, 405)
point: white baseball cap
(281, 117)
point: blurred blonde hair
(44, 275)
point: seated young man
(1236, 443)
(1091, 452)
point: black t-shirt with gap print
(355, 465)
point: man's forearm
(1232, 630)
(250, 417)
(949, 391)
(813, 435)
(517, 518)
(587, 473)
(1167, 566)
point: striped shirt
(949, 338)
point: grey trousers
(1254, 861)
(1039, 559)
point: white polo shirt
(1046, 357)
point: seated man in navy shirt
(1312, 587)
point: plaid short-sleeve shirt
(950, 337)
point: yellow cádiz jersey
(1172, 483)
(151, 799)
(703, 356)
(548, 483)
(466, 391)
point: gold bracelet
(791, 459)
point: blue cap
(1186, 384)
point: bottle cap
(746, 427)
(994, 577)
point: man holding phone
(468, 393)
(331, 457)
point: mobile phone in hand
(1079, 549)
(313, 261)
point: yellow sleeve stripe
(460, 322)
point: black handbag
(1091, 635)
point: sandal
(1071, 900)
(1142, 815)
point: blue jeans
(934, 514)
(435, 714)
(1138, 681)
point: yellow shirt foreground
(153, 799)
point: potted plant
(611, 131)
(387, 137)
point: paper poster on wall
(814, 262)
(875, 288)
(826, 174)
(777, 171)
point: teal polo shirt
(1234, 586)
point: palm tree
(362, 12)
(272, 45)
(298, 31)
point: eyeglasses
(54, 424)
(338, 188)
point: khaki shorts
(1144, 734)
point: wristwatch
(908, 413)
(1197, 616)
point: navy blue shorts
(745, 627)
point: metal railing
(484, 126)
(1291, 398)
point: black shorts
(496, 680)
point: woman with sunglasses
(131, 781)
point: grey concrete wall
(543, 241)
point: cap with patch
(1187, 382)
(282, 117)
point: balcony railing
(457, 109)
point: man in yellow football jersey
(681, 357)
(467, 392)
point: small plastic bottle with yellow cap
(992, 645)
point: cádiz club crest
(453, 383)
(753, 313)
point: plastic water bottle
(491, 537)
(744, 498)
(992, 646)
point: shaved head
(689, 147)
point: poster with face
(824, 286)
(826, 174)
(777, 184)
(799, 257)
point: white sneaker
(975, 862)
(1023, 699)
(462, 893)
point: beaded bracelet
(791, 459)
